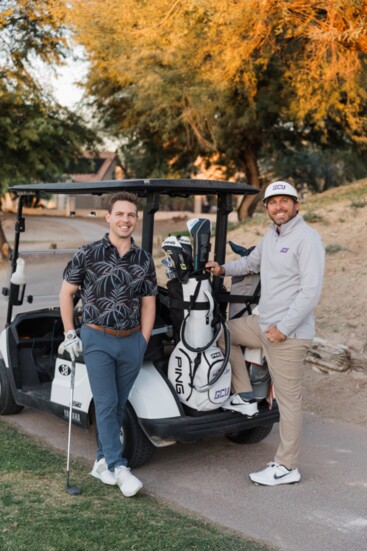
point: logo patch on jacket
(284, 250)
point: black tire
(138, 449)
(8, 406)
(250, 436)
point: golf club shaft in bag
(72, 490)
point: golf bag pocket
(199, 378)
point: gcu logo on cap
(279, 186)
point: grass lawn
(37, 514)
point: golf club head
(187, 250)
(173, 249)
(200, 230)
(73, 490)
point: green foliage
(312, 217)
(322, 160)
(38, 137)
(38, 515)
(179, 79)
(30, 30)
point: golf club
(72, 490)
(200, 231)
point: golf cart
(35, 372)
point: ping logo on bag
(178, 377)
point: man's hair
(122, 196)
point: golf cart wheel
(250, 436)
(138, 449)
(8, 406)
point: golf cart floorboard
(39, 391)
(191, 429)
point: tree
(38, 137)
(182, 78)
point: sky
(64, 82)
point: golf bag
(197, 368)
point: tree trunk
(4, 245)
(249, 203)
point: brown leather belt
(111, 331)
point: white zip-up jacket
(291, 266)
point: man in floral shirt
(118, 287)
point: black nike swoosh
(276, 477)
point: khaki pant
(285, 361)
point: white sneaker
(100, 471)
(127, 482)
(239, 404)
(275, 474)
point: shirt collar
(107, 242)
(284, 228)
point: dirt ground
(340, 216)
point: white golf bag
(198, 369)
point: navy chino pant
(113, 364)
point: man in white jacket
(290, 259)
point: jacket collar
(288, 226)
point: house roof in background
(100, 163)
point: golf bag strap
(186, 305)
(195, 295)
(217, 327)
(247, 307)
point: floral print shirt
(112, 285)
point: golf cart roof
(173, 187)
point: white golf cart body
(34, 374)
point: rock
(329, 358)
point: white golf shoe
(100, 471)
(275, 474)
(241, 405)
(127, 482)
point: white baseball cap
(280, 188)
